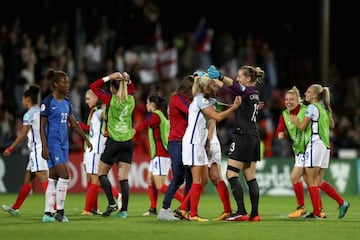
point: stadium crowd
(158, 63)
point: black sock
(106, 186)
(254, 196)
(124, 184)
(238, 194)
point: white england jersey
(36, 162)
(96, 138)
(196, 130)
(313, 113)
(32, 118)
(214, 138)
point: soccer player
(178, 116)
(244, 151)
(294, 106)
(55, 117)
(120, 104)
(316, 124)
(194, 154)
(214, 155)
(213, 150)
(158, 127)
(37, 166)
(97, 133)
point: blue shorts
(58, 155)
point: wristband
(9, 149)
(107, 78)
(221, 77)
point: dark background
(291, 28)
(287, 25)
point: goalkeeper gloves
(213, 72)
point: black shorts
(244, 148)
(115, 152)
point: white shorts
(194, 155)
(317, 155)
(36, 162)
(91, 162)
(160, 166)
(214, 154)
(300, 160)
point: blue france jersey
(57, 113)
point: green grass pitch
(274, 222)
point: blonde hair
(121, 89)
(322, 94)
(91, 92)
(122, 92)
(199, 83)
(294, 90)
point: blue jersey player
(55, 117)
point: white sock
(61, 190)
(50, 194)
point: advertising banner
(273, 175)
(12, 171)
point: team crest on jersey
(42, 107)
(242, 87)
(205, 101)
(26, 117)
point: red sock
(90, 197)
(22, 195)
(153, 195)
(321, 206)
(299, 193)
(186, 200)
(44, 185)
(96, 202)
(194, 198)
(163, 188)
(331, 192)
(115, 192)
(315, 199)
(86, 198)
(178, 196)
(224, 195)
